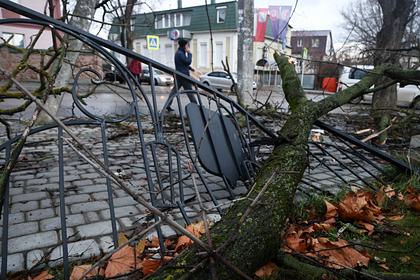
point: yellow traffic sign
(152, 42)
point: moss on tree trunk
(259, 237)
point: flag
(284, 22)
(279, 16)
(274, 12)
(261, 24)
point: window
(221, 14)
(299, 43)
(18, 39)
(186, 19)
(203, 55)
(178, 20)
(132, 24)
(357, 74)
(138, 47)
(315, 43)
(160, 21)
(168, 21)
(219, 54)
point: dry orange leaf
(79, 270)
(367, 226)
(141, 246)
(122, 239)
(150, 266)
(121, 262)
(154, 242)
(412, 199)
(331, 210)
(359, 206)
(267, 270)
(197, 229)
(395, 217)
(337, 254)
(183, 242)
(322, 226)
(45, 275)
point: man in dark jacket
(183, 59)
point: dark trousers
(186, 85)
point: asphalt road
(113, 100)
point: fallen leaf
(122, 239)
(121, 262)
(150, 266)
(359, 206)
(154, 242)
(331, 210)
(322, 226)
(337, 254)
(412, 199)
(367, 226)
(395, 217)
(141, 245)
(183, 242)
(267, 270)
(79, 270)
(197, 229)
(44, 275)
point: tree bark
(85, 9)
(258, 238)
(396, 14)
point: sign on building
(152, 42)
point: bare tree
(384, 27)
(82, 13)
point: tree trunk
(396, 14)
(85, 9)
(258, 237)
(127, 42)
(245, 49)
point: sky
(309, 14)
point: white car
(406, 96)
(161, 78)
(220, 80)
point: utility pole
(245, 49)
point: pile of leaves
(360, 210)
(323, 238)
(144, 257)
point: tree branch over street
(258, 238)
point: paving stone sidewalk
(34, 221)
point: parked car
(221, 80)
(114, 76)
(407, 96)
(160, 78)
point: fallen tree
(249, 234)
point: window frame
(315, 43)
(218, 10)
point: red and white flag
(261, 24)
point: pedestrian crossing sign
(152, 42)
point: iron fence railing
(216, 137)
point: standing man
(183, 59)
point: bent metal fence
(209, 151)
